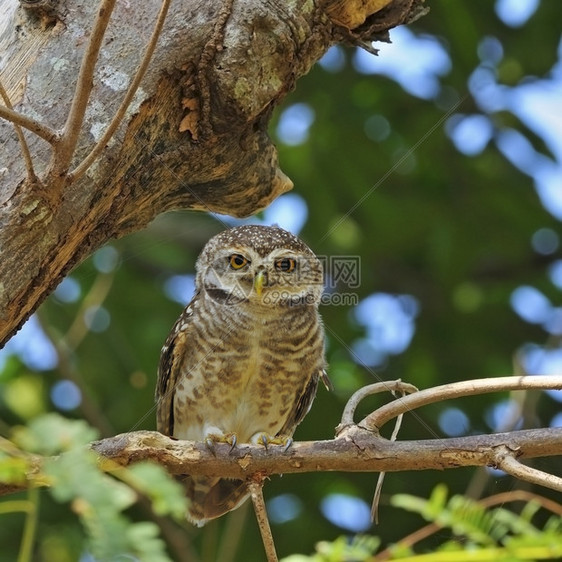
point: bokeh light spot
(530, 304)
(504, 416)
(294, 124)
(68, 290)
(283, 508)
(138, 379)
(555, 273)
(289, 211)
(347, 512)
(454, 422)
(97, 319)
(180, 288)
(32, 346)
(490, 50)
(415, 62)
(333, 60)
(470, 134)
(106, 259)
(515, 13)
(66, 395)
(377, 128)
(545, 241)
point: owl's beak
(259, 282)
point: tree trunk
(194, 135)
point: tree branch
(256, 491)
(23, 143)
(356, 449)
(17, 118)
(385, 413)
(509, 464)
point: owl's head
(261, 265)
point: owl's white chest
(241, 386)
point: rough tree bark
(194, 136)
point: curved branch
(370, 389)
(509, 464)
(385, 413)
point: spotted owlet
(243, 360)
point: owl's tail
(210, 498)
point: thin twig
(256, 491)
(380, 479)
(41, 130)
(363, 392)
(509, 464)
(81, 169)
(32, 178)
(522, 496)
(65, 151)
(385, 413)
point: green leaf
(166, 494)
(13, 470)
(437, 501)
(51, 433)
(75, 475)
(145, 542)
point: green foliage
(51, 434)
(358, 549)
(165, 494)
(480, 534)
(98, 499)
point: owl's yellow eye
(237, 261)
(285, 264)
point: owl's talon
(213, 438)
(266, 440)
(210, 445)
(263, 439)
(289, 442)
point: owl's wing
(169, 369)
(302, 406)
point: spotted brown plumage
(243, 360)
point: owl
(243, 361)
